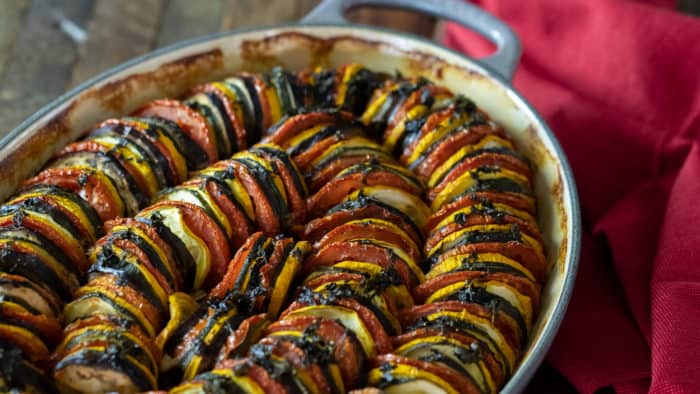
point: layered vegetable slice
(364, 311)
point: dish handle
(503, 61)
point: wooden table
(49, 46)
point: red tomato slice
(88, 186)
(269, 270)
(257, 373)
(491, 363)
(438, 234)
(205, 228)
(299, 360)
(248, 332)
(348, 231)
(295, 196)
(453, 143)
(48, 328)
(338, 188)
(319, 280)
(260, 87)
(317, 228)
(234, 267)
(473, 163)
(455, 379)
(298, 123)
(73, 252)
(522, 285)
(191, 123)
(241, 132)
(516, 201)
(265, 216)
(92, 146)
(132, 248)
(322, 177)
(304, 159)
(243, 228)
(347, 352)
(508, 330)
(517, 251)
(152, 235)
(336, 252)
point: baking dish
(324, 38)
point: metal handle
(504, 61)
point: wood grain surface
(49, 46)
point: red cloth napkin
(619, 83)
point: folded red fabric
(619, 83)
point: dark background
(39, 61)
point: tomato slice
(235, 267)
(519, 252)
(497, 320)
(248, 332)
(476, 219)
(455, 379)
(372, 228)
(269, 271)
(468, 340)
(317, 228)
(443, 149)
(347, 352)
(268, 115)
(266, 217)
(317, 179)
(113, 285)
(191, 122)
(245, 366)
(137, 252)
(243, 228)
(49, 328)
(516, 201)
(206, 228)
(70, 247)
(233, 116)
(522, 285)
(305, 368)
(335, 191)
(294, 125)
(292, 179)
(95, 188)
(314, 281)
(335, 252)
(153, 236)
(481, 161)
